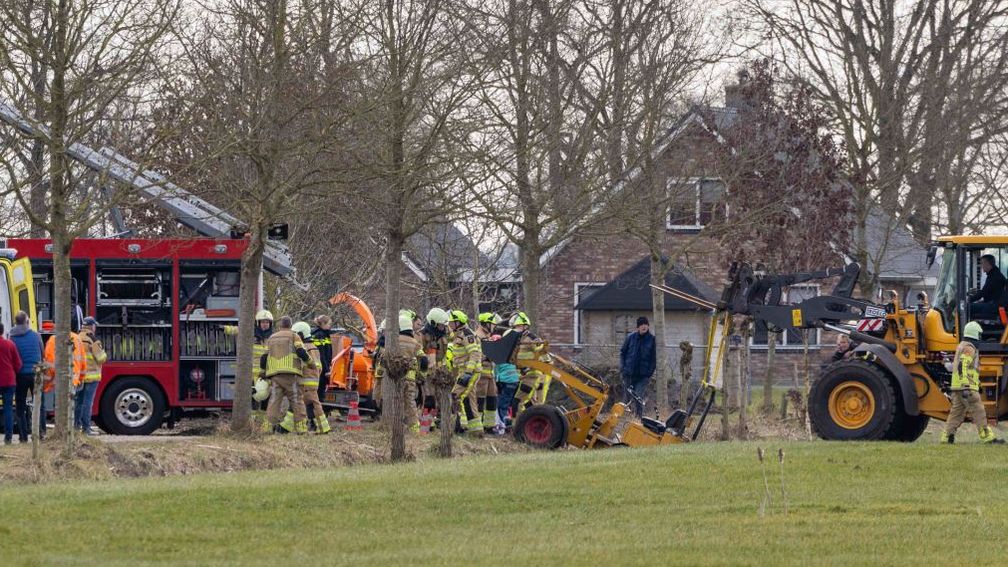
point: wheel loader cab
(961, 274)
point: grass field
(849, 504)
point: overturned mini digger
(582, 421)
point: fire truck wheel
(132, 406)
(542, 426)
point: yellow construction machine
(898, 377)
(583, 424)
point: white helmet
(301, 328)
(437, 316)
(260, 390)
(405, 322)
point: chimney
(735, 95)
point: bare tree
(915, 89)
(255, 106)
(80, 71)
(547, 175)
(787, 184)
(418, 85)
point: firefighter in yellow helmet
(263, 330)
(284, 364)
(486, 386)
(965, 392)
(534, 384)
(466, 358)
(310, 381)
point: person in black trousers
(29, 346)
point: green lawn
(850, 504)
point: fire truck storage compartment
(206, 380)
(208, 288)
(203, 338)
(42, 273)
(133, 308)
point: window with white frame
(582, 290)
(693, 202)
(791, 338)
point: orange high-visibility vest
(79, 361)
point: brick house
(597, 283)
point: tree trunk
(726, 399)
(63, 318)
(531, 280)
(38, 413)
(663, 368)
(685, 372)
(446, 409)
(744, 378)
(807, 385)
(248, 303)
(394, 403)
(768, 377)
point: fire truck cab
(161, 307)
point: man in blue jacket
(637, 364)
(29, 346)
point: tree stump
(396, 367)
(443, 382)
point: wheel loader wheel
(542, 426)
(852, 400)
(905, 428)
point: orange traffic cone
(426, 419)
(353, 420)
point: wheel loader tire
(908, 428)
(905, 428)
(542, 426)
(852, 400)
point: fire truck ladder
(199, 215)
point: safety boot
(301, 426)
(947, 439)
(266, 426)
(288, 422)
(322, 425)
(987, 435)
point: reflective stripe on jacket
(94, 357)
(312, 373)
(965, 376)
(281, 355)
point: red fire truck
(161, 307)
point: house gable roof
(902, 258)
(630, 291)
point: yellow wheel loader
(898, 377)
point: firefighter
(78, 361)
(94, 358)
(309, 383)
(486, 387)
(465, 358)
(433, 338)
(260, 387)
(410, 346)
(284, 363)
(966, 396)
(322, 337)
(534, 384)
(376, 392)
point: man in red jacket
(10, 365)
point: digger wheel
(542, 426)
(852, 400)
